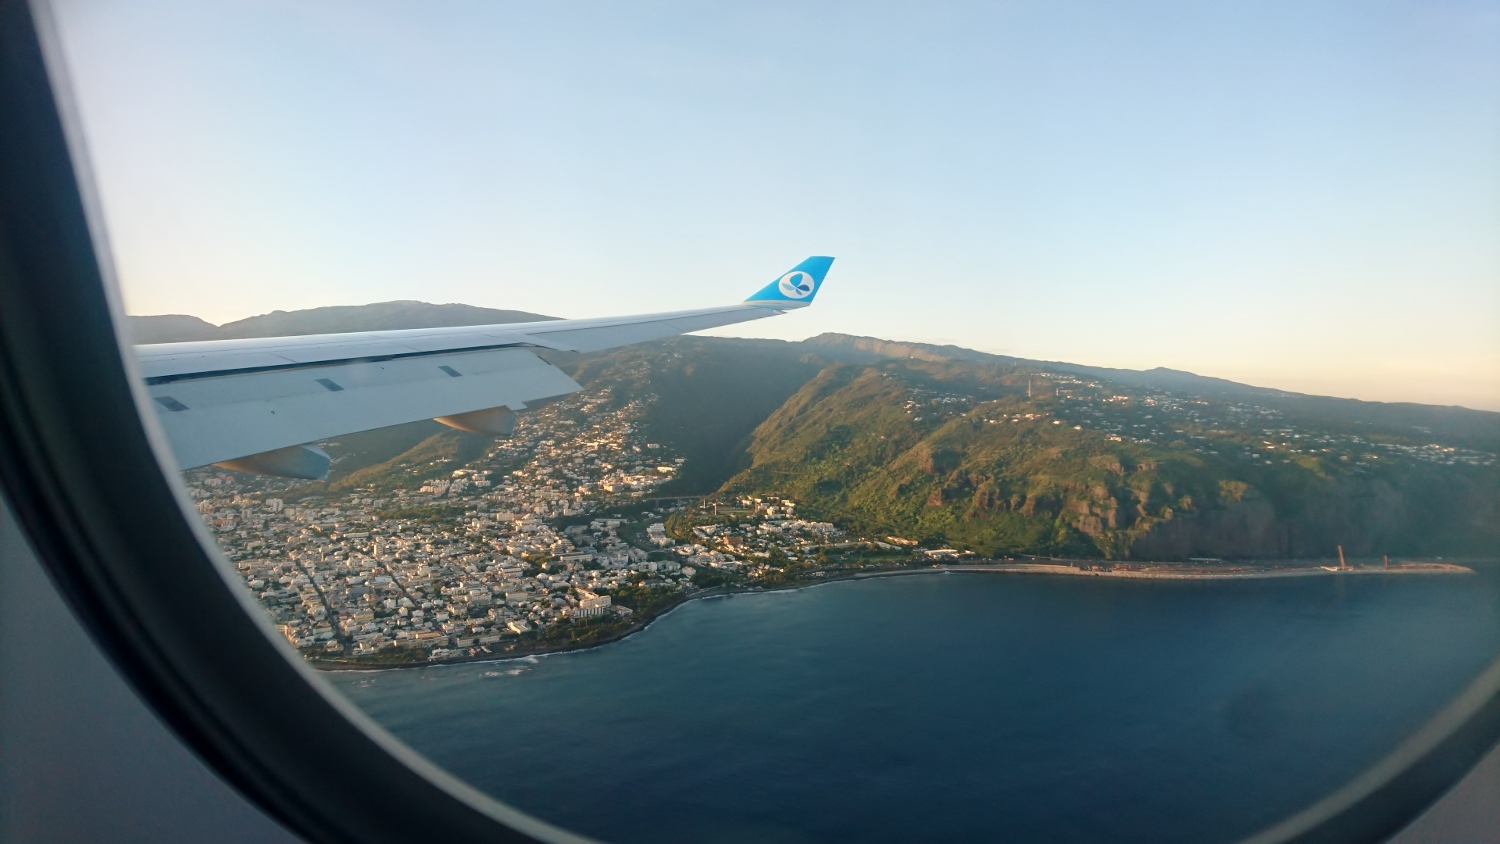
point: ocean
(959, 707)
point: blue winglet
(797, 287)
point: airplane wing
(262, 404)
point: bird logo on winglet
(796, 285)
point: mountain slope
(955, 453)
(707, 395)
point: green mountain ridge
(1002, 455)
(893, 448)
(826, 423)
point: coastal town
(571, 547)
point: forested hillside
(954, 453)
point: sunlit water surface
(961, 707)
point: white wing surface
(261, 404)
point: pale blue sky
(1302, 195)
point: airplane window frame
(82, 470)
(90, 480)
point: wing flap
(217, 357)
(210, 420)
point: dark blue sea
(960, 707)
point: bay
(959, 707)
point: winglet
(797, 287)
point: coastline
(1184, 572)
(1166, 571)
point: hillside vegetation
(954, 453)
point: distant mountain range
(1480, 428)
(381, 316)
(996, 454)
